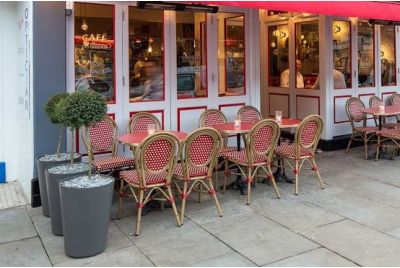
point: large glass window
(278, 51)
(94, 49)
(146, 56)
(231, 54)
(191, 55)
(341, 54)
(307, 55)
(388, 56)
(366, 59)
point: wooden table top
(389, 110)
(135, 138)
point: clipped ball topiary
(84, 108)
(54, 114)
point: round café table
(230, 129)
(135, 138)
(388, 111)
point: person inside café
(299, 77)
(152, 82)
(339, 81)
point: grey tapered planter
(85, 212)
(42, 164)
(54, 176)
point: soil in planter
(45, 162)
(54, 176)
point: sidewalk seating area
(355, 221)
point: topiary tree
(50, 109)
(82, 108)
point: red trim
(334, 108)
(78, 138)
(307, 96)
(152, 112)
(350, 41)
(244, 53)
(281, 94)
(178, 111)
(230, 105)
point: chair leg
(365, 147)
(139, 211)
(249, 181)
(315, 168)
(296, 172)
(214, 194)
(171, 198)
(121, 189)
(216, 179)
(378, 146)
(349, 144)
(184, 197)
(273, 181)
(225, 175)
(200, 191)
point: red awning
(362, 9)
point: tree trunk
(60, 137)
(90, 155)
(72, 145)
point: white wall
(16, 124)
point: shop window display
(307, 55)
(341, 31)
(388, 56)
(94, 49)
(231, 54)
(191, 55)
(146, 55)
(278, 51)
(366, 61)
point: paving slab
(358, 243)
(229, 260)
(320, 257)
(297, 216)
(26, 252)
(54, 245)
(15, 224)
(259, 239)
(126, 257)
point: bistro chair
(101, 137)
(374, 103)
(384, 135)
(140, 122)
(258, 154)
(305, 144)
(155, 161)
(199, 157)
(364, 133)
(210, 118)
(249, 114)
(395, 101)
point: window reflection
(341, 54)
(278, 51)
(146, 67)
(307, 53)
(388, 62)
(94, 49)
(366, 61)
(231, 54)
(191, 55)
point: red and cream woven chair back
(141, 121)
(395, 101)
(249, 114)
(374, 103)
(212, 117)
(200, 150)
(354, 107)
(262, 140)
(308, 134)
(101, 137)
(156, 157)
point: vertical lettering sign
(24, 69)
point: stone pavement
(355, 221)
